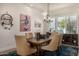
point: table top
(34, 41)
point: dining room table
(38, 43)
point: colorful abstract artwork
(25, 23)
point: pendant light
(47, 17)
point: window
(60, 24)
(71, 25)
(52, 25)
(63, 24)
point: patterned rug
(68, 51)
(64, 51)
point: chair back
(60, 41)
(37, 35)
(52, 34)
(53, 45)
(22, 46)
(29, 35)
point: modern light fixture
(47, 17)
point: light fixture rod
(48, 10)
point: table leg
(38, 49)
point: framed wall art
(25, 23)
(37, 25)
(6, 21)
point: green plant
(62, 23)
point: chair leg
(58, 50)
(42, 52)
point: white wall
(7, 39)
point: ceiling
(57, 8)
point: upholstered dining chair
(50, 37)
(53, 33)
(23, 47)
(53, 45)
(37, 35)
(29, 35)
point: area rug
(64, 51)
